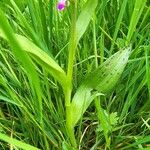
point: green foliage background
(105, 110)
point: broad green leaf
(42, 58)
(103, 79)
(17, 143)
(106, 75)
(85, 17)
(80, 102)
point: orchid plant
(76, 106)
(31, 36)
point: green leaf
(2, 98)
(80, 103)
(110, 121)
(103, 79)
(24, 60)
(17, 143)
(113, 118)
(85, 17)
(21, 4)
(142, 140)
(138, 8)
(65, 146)
(42, 58)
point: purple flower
(61, 4)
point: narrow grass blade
(147, 69)
(118, 23)
(17, 143)
(138, 8)
(2, 98)
(26, 62)
(29, 30)
(139, 141)
(11, 71)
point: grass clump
(78, 78)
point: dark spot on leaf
(123, 59)
(107, 81)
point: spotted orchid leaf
(103, 79)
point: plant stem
(72, 51)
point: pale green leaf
(85, 17)
(103, 79)
(113, 118)
(42, 58)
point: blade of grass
(139, 141)
(17, 143)
(147, 69)
(118, 23)
(26, 62)
(138, 8)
